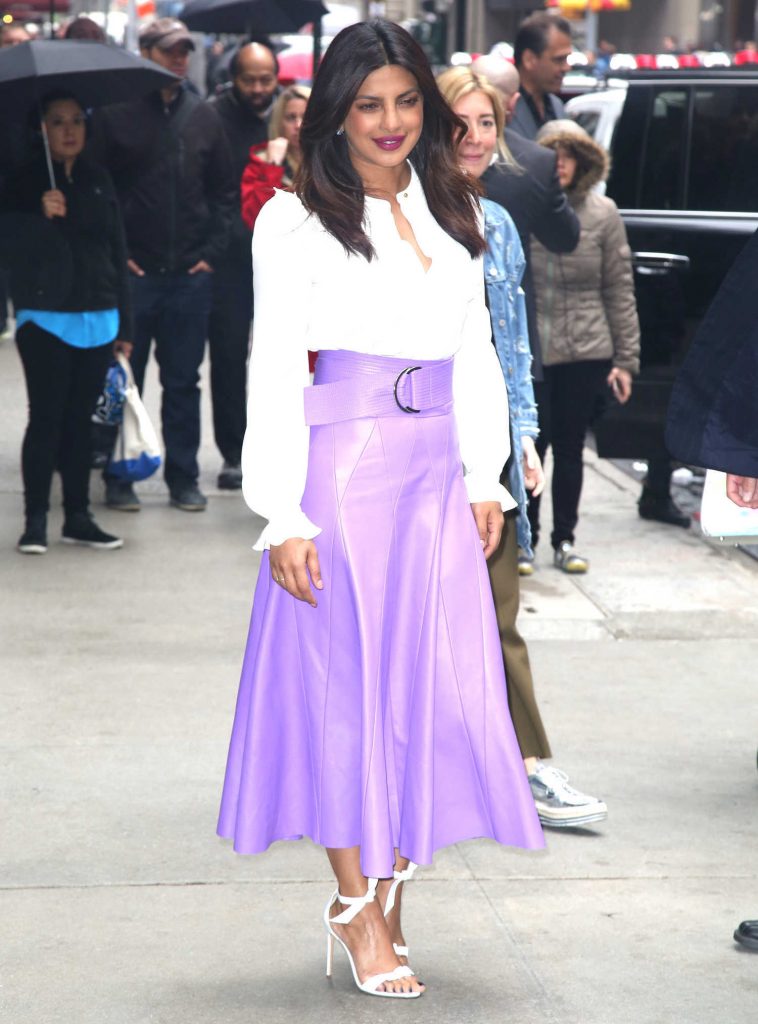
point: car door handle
(655, 264)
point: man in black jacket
(541, 51)
(534, 198)
(244, 110)
(170, 161)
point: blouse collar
(412, 191)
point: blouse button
(493, 270)
(501, 323)
(405, 195)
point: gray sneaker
(230, 477)
(188, 497)
(560, 805)
(567, 560)
(120, 495)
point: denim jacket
(503, 269)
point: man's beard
(255, 106)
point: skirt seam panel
(393, 537)
(327, 675)
(485, 801)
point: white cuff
(284, 528)
(480, 490)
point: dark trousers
(504, 579)
(173, 310)
(566, 402)
(229, 342)
(63, 384)
(658, 479)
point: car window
(664, 149)
(588, 119)
(626, 149)
(723, 173)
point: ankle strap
(400, 876)
(355, 904)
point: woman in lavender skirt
(372, 713)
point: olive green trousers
(504, 579)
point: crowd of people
(174, 221)
(191, 177)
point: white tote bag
(137, 453)
(720, 518)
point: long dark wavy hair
(328, 184)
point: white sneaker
(560, 805)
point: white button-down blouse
(310, 294)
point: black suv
(685, 177)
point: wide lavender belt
(351, 385)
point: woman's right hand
(291, 562)
(276, 151)
(53, 203)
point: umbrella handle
(48, 157)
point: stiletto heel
(329, 955)
(399, 876)
(354, 906)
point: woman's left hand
(620, 383)
(534, 474)
(489, 519)
(124, 347)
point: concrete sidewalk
(118, 905)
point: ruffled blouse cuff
(283, 527)
(479, 489)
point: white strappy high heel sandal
(399, 876)
(354, 906)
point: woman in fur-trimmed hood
(588, 326)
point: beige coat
(586, 307)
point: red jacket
(259, 179)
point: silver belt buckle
(404, 373)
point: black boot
(662, 510)
(33, 540)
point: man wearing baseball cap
(165, 33)
(170, 160)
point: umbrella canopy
(295, 67)
(95, 73)
(591, 5)
(25, 10)
(262, 16)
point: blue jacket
(503, 270)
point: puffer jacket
(586, 307)
(504, 264)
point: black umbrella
(95, 73)
(251, 16)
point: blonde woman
(275, 163)
(478, 104)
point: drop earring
(340, 131)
